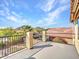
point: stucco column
(73, 35)
(44, 36)
(76, 31)
(29, 40)
(76, 35)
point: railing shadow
(37, 47)
(42, 46)
(30, 58)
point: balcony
(46, 50)
(40, 50)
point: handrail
(10, 36)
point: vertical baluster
(18, 43)
(10, 44)
(24, 41)
(2, 47)
(15, 43)
(7, 45)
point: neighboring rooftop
(60, 30)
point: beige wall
(76, 35)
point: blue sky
(43, 13)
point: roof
(74, 10)
(60, 32)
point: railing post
(44, 36)
(29, 40)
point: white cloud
(12, 18)
(20, 19)
(47, 5)
(52, 16)
(17, 21)
(10, 15)
(57, 12)
(4, 10)
(15, 14)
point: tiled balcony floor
(46, 50)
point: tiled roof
(60, 32)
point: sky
(37, 13)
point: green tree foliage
(7, 32)
(39, 29)
(26, 27)
(20, 30)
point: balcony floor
(46, 50)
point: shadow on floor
(30, 58)
(41, 46)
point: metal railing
(11, 44)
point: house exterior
(64, 34)
(74, 16)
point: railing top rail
(10, 36)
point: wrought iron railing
(11, 44)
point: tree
(39, 29)
(7, 31)
(25, 28)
